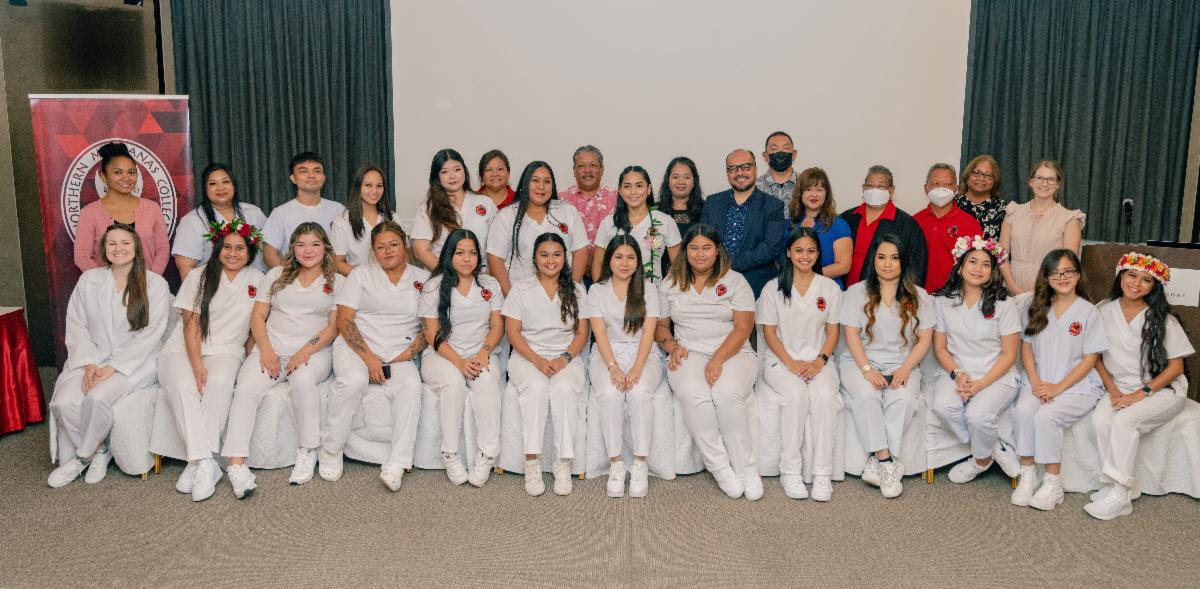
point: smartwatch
(1146, 389)
(954, 374)
(568, 356)
(824, 358)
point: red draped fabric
(20, 385)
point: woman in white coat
(625, 369)
(293, 322)
(200, 362)
(380, 335)
(710, 365)
(799, 313)
(449, 204)
(368, 205)
(460, 309)
(542, 322)
(115, 323)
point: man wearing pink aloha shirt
(593, 201)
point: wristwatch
(954, 374)
(867, 367)
(824, 358)
(610, 364)
(568, 356)
(1146, 390)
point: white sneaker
(98, 469)
(306, 463)
(208, 474)
(1007, 459)
(752, 487)
(1115, 504)
(793, 486)
(455, 471)
(639, 478)
(66, 473)
(188, 478)
(1026, 486)
(483, 470)
(562, 476)
(1134, 493)
(534, 485)
(889, 478)
(616, 479)
(391, 475)
(241, 479)
(870, 473)
(331, 466)
(1049, 495)
(730, 483)
(822, 488)
(967, 470)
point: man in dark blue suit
(750, 222)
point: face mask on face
(940, 196)
(876, 197)
(780, 161)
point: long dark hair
(635, 298)
(993, 291)
(681, 270)
(786, 271)
(135, 299)
(442, 215)
(695, 201)
(210, 279)
(621, 215)
(1154, 330)
(1043, 294)
(202, 201)
(908, 299)
(522, 201)
(569, 309)
(445, 269)
(354, 206)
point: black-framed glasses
(984, 175)
(739, 168)
(1060, 274)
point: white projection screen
(855, 83)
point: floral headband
(219, 229)
(969, 243)
(1149, 264)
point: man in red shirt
(942, 222)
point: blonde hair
(291, 267)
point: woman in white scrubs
(654, 232)
(368, 205)
(379, 337)
(544, 328)
(1142, 374)
(449, 204)
(710, 364)
(888, 322)
(115, 323)
(218, 203)
(460, 310)
(625, 369)
(293, 322)
(200, 362)
(799, 313)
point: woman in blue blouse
(813, 206)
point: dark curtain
(1105, 87)
(271, 78)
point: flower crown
(969, 243)
(219, 229)
(1150, 264)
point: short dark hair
(305, 156)
(778, 134)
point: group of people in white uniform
(499, 295)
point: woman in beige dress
(1032, 229)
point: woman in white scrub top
(368, 205)
(799, 313)
(975, 343)
(449, 204)
(537, 210)
(544, 328)
(625, 369)
(655, 232)
(379, 337)
(293, 322)
(710, 365)
(1142, 374)
(888, 322)
(460, 310)
(200, 362)
(218, 203)
(115, 323)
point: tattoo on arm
(354, 338)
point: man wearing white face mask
(878, 215)
(942, 222)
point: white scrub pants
(1040, 426)
(719, 416)
(453, 391)
(1119, 432)
(199, 418)
(253, 384)
(637, 402)
(350, 382)
(880, 415)
(539, 394)
(84, 420)
(816, 403)
(975, 421)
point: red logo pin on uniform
(252, 291)
(486, 294)
(417, 285)
(563, 227)
(821, 303)
(480, 210)
(327, 289)
(721, 290)
(1075, 328)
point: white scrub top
(1123, 357)
(703, 321)
(97, 327)
(470, 315)
(228, 312)
(540, 316)
(666, 235)
(189, 236)
(356, 250)
(801, 320)
(602, 301)
(476, 214)
(297, 313)
(561, 218)
(289, 215)
(386, 313)
(1060, 347)
(974, 340)
(886, 351)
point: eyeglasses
(984, 175)
(1045, 180)
(1060, 274)
(739, 167)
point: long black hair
(205, 205)
(210, 279)
(569, 308)
(635, 297)
(993, 291)
(1043, 293)
(522, 201)
(1154, 330)
(908, 299)
(445, 269)
(695, 201)
(442, 215)
(621, 215)
(354, 206)
(785, 269)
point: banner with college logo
(67, 131)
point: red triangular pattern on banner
(72, 145)
(81, 113)
(149, 125)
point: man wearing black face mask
(780, 178)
